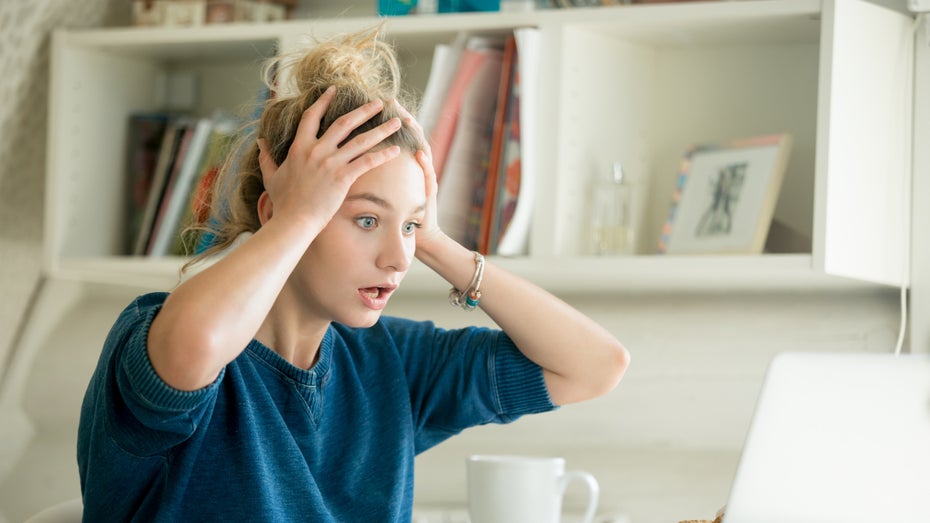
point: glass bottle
(611, 219)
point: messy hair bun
(361, 66)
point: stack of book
(172, 162)
(481, 141)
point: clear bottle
(612, 230)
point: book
(166, 158)
(466, 165)
(509, 168)
(441, 137)
(179, 187)
(146, 133)
(514, 234)
(442, 69)
(185, 133)
(488, 197)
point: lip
(377, 301)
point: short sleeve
(143, 414)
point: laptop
(839, 438)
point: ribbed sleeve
(148, 387)
(518, 381)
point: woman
(268, 386)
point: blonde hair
(361, 66)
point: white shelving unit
(633, 83)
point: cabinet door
(864, 129)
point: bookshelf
(632, 83)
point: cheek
(332, 247)
(350, 246)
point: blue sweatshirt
(268, 441)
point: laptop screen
(837, 438)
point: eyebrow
(380, 202)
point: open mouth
(374, 292)
(376, 297)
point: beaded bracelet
(468, 299)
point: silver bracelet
(468, 299)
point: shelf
(583, 275)
(630, 74)
(705, 23)
(625, 275)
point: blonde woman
(268, 386)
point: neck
(292, 335)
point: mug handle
(593, 490)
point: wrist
(449, 259)
(432, 244)
(468, 297)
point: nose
(396, 252)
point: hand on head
(313, 180)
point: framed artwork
(725, 196)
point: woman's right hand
(312, 182)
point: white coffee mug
(522, 489)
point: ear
(265, 208)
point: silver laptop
(839, 438)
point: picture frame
(725, 196)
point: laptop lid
(837, 438)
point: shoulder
(138, 313)
(144, 304)
(132, 324)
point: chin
(362, 321)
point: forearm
(210, 318)
(580, 358)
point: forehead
(399, 182)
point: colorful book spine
(180, 187)
(146, 134)
(495, 160)
(166, 159)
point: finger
(265, 162)
(429, 173)
(406, 116)
(370, 160)
(309, 124)
(412, 123)
(367, 140)
(343, 126)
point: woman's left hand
(429, 231)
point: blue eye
(411, 227)
(367, 222)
